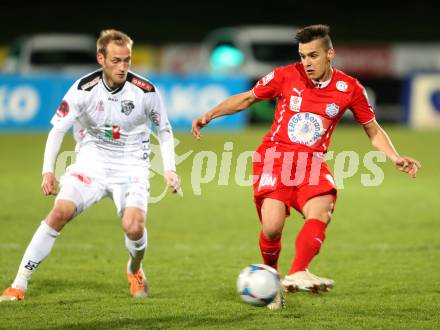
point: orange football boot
(138, 284)
(12, 294)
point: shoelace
(139, 279)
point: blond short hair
(108, 36)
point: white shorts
(84, 189)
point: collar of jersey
(323, 84)
(112, 91)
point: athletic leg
(39, 247)
(317, 212)
(75, 196)
(131, 203)
(273, 215)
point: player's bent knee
(61, 214)
(133, 224)
(327, 213)
(272, 234)
(273, 228)
(323, 215)
(273, 218)
(134, 231)
(272, 231)
(320, 208)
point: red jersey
(306, 115)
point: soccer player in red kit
(289, 165)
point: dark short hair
(314, 32)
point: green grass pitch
(382, 248)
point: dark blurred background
(175, 21)
(381, 43)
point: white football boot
(306, 281)
(279, 302)
(327, 283)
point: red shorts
(292, 177)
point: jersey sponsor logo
(341, 86)
(83, 178)
(113, 99)
(267, 78)
(90, 83)
(142, 84)
(299, 92)
(332, 109)
(127, 107)
(113, 131)
(63, 109)
(267, 180)
(305, 128)
(295, 103)
(110, 134)
(100, 106)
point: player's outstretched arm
(381, 141)
(230, 106)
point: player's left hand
(172, 180)
(408, 165)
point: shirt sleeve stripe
(368, 121)
(259, 97)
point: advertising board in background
(27, 103)
(422, 100)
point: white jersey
(112, 127)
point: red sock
(307, 244)
(270, 250)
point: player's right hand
(198, 124)
(49, 184)
(172, 180)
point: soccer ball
(258, 284)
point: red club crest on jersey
(63, 109)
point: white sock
(38, 249)
(136, 249)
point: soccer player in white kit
(111, 111)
